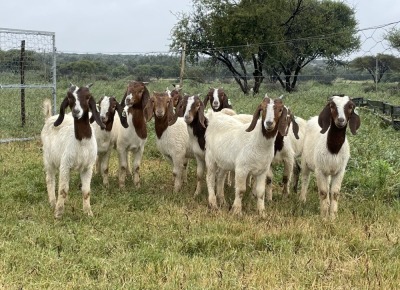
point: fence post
(182, 64)
(22, 73)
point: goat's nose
(341, 120)
(75, 111)
(269, 123)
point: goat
(175, 94)
(172, 136)
(245, 149)
(192, 110)
(218, 99)
(327, 151)
(134, 137)
(68, 143)
(287, 148)
(107, 107)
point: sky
(134, 26)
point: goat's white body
(126, 140)
(63, 152)
(175, 146)
(327, 166)
(230, 148)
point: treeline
(147, 67)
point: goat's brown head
(273, 117)
(175, 94)
(218, 99)
(80, 101)
(162, 107)
(136, 95)
(339, 112)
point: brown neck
(82, 128)
(278, 142)
(139, 121)
(160, 125)
(336, 138)
(110, 122)
(199, 131)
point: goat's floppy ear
(324, 118)
(354, 122)
(256, 115)
(206, 98)
(63, 106)
(181, 106)
(295, 127)
(145, 97)
(148, 110)
(226, 101)
(122, 118)
(95, 113)
(172, 116)
(202, 118)
(283, 123)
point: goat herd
(238, 146)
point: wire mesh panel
(27, 76)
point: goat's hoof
(236, 210)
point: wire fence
(28, 73)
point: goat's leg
(51, 186)
(185, 171)
(103, 161)
(335, 193)
(305, 179)
(296, 175)
(123, 167)
(86, 177)
(63, 189)
(268, 189)
(210, 178)
(221, 175)
(136, 166)
(177, 171)
(240, 188)
(287, 174)
(260, 190)
(199, 174)
(323, 191)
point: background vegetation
(151, 238)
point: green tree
(394, 38)
(280, 36)
(376, 66)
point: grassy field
(151, 238)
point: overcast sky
(133, 26)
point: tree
(394, 38)
(279, 36)
(376, 66)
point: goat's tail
(47, 108)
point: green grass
(152, 238)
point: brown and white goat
(175, 94)
(69, 143)
(218, 99)
(107, 106)
(192, 110)
(172, 136)
(133, 138)
(243, 148)
(326, 151)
